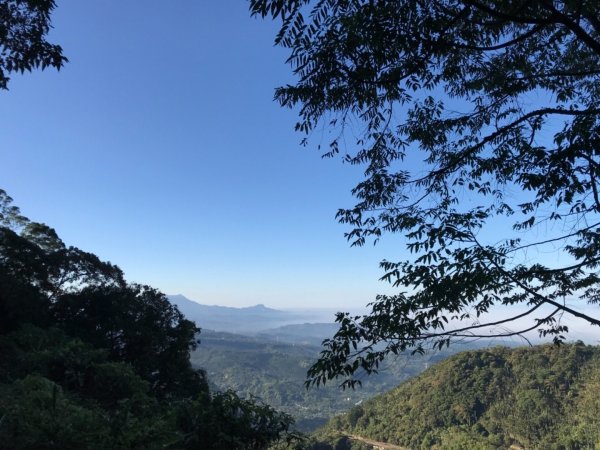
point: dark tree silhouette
(24, 25)
(477, 124)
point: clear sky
(159, 148)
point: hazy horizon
(579, 329)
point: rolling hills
(275, 371)
(268, 355)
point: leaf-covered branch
(491, 155)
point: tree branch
(581, 33)
(535, 294)
(513, 41)
(509, 17)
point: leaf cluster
(24, 25)
(476, 123)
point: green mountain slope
(544, 397)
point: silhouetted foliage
(231, 423)
(90, 361)
(24, 25)
(138, 325)
(477, 123)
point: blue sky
(159, 148)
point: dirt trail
(375, 444)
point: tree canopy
(91, 361)
(477, 123)
(24, 25)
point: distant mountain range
(252, 320)
(301, 333)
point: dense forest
(91, 361)
(543, 397)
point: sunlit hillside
(542, 397)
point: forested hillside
(543, 397)
(90, 361)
